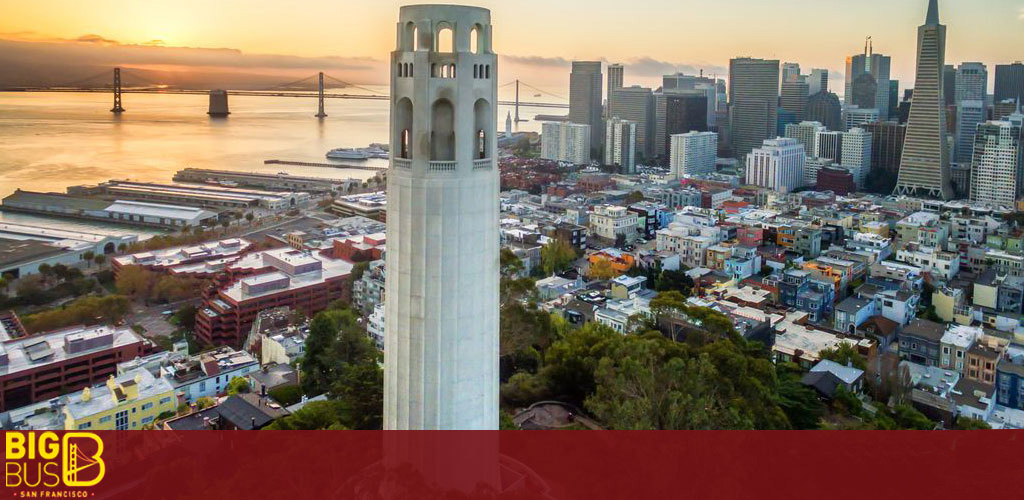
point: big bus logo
(48, 460)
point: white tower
(441, 340)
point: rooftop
(101, 399)
(52, 347)
(160, 210)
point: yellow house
(129, 401)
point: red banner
(516, 464)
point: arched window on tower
(445, 38)
(483, 119)
(442, 134)
(409, 36)
(403, 128)
(474, 39)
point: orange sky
(698, 33)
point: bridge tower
(441, 343)
(517, 100)
(117, 109)
(320, 113)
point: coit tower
(441, 296)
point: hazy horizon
(237, 44)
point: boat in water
(347, 154)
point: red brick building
(264, 280)
(44, 366)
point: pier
(326, 165)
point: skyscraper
(794, 96)
(677, 112)
(620, 145)
(859, 90)
(817, 81)
(441, 341)
(924, 169)
(585, 107)
(886, 145)
(971, 82)
(969, 114)
(949, 84)
(1009, 82)
(753, 103)
(824, 108)
(829, 144)
(996, 175)
(636, 104)
(615, 79)
(790, 72)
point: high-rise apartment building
(824, 108)
(620, 145)
(996, 172)
(856, 155)
(790, 72)
(585, 92)
(566, 142)
(1009, 82)
(636, 104)
(441, 340)
(778, 164)
(805, 133)
(924, 169)
(693, 153)
(753, 103)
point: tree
(315, 415)
(678, 281)
(30, 288)
(88, 310)
(361, 387)
(226, 223)
(238, 385)
(205, 402)
(557, 256)
(186, 317)
(971, 424)
(88, 256)
(602, 269)
(845, 353)
(249, 217)
(800, 403)
(99, 259)
(135, 282)
(909, 418)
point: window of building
(85, 425)
(164, 401)
(147, 406)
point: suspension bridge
(126, 81)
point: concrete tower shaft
(441, 306)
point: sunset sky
(536, 37)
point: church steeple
(933, 13)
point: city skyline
(229, 37)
